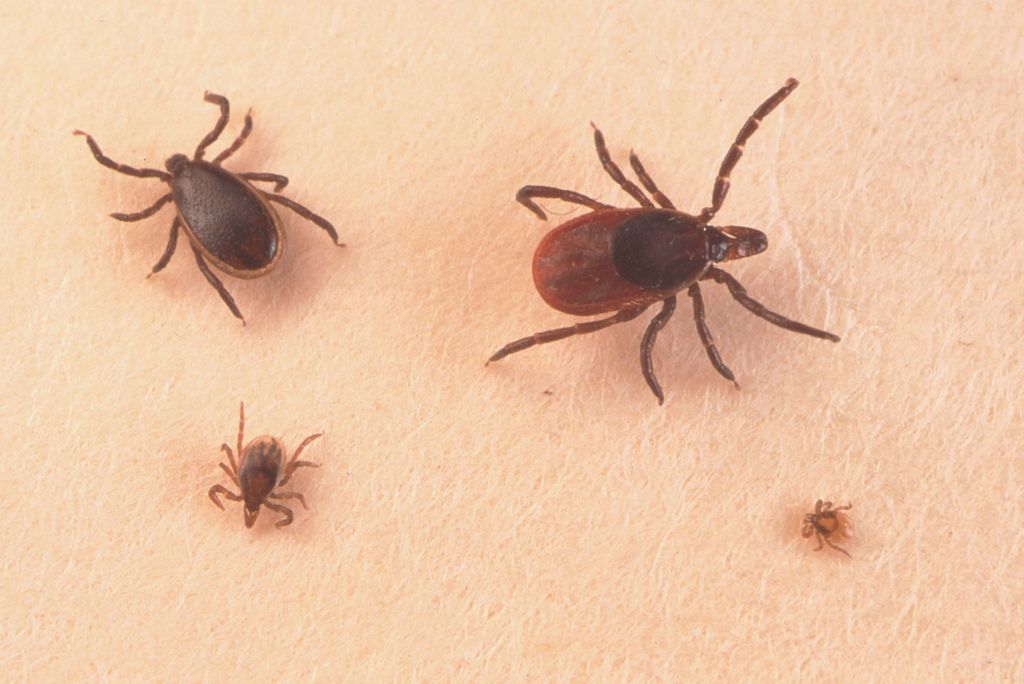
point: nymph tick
(261, 463)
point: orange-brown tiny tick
(827, 523)
(261, 468)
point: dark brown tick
(625, 260)
(261, 463)
(228, 221)
(827, 522)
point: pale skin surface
(541, 519)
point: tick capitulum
(827, 522)
(625, 260)
(261, 463)
(228, 221)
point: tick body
(262, 467)
(827, 523)
(625, 260)
(229, 222)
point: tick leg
(225, 114)
(121, 168)
(234, 478)
(668, 307)
(221, 489)
(615, 172)
(528, 192)
(740, 295)
(279, 181)
(648, 182)
(172, 244)
(145, 213)
(837, 548)
(217, 285)
(306, 214)
(736, 150)
(705, 335)
(289, 495)
(246, 130)
(286, 512)
(562, 333)
(296, 463)
(231, 457)
(241, 427)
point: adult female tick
(229, 222)
(261, 463)
(625, 260)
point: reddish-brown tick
(228, 221)
(625, 260)
(827, 522)
(261, 463)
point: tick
(625, 260)
(827, 522)
(229, 222)
(261, 463)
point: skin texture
(541, 520)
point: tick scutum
(660, 250)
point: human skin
(540, 519)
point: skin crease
(467, 526)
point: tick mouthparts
(735, 242)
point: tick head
(735, 242)
(250, 515)
(177, 163)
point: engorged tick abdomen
(224, 213)
(259, 469)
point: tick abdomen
(224, 213)
(259, 470)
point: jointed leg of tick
(217, 285)
(296, 463)
(736, 150)
(528, 192)
(306, 214)
(289, 495)
(233, 147)
(241, 428)
(218, 128)
(121, 168)
(286, 512)
(221, 489)
(668, 308)
(823, 538)
(145, 213)
(648, 182)
(739, 293)
(562, 333)
(279, 181)
(615, 172)
(172, 244)
(705, 335)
